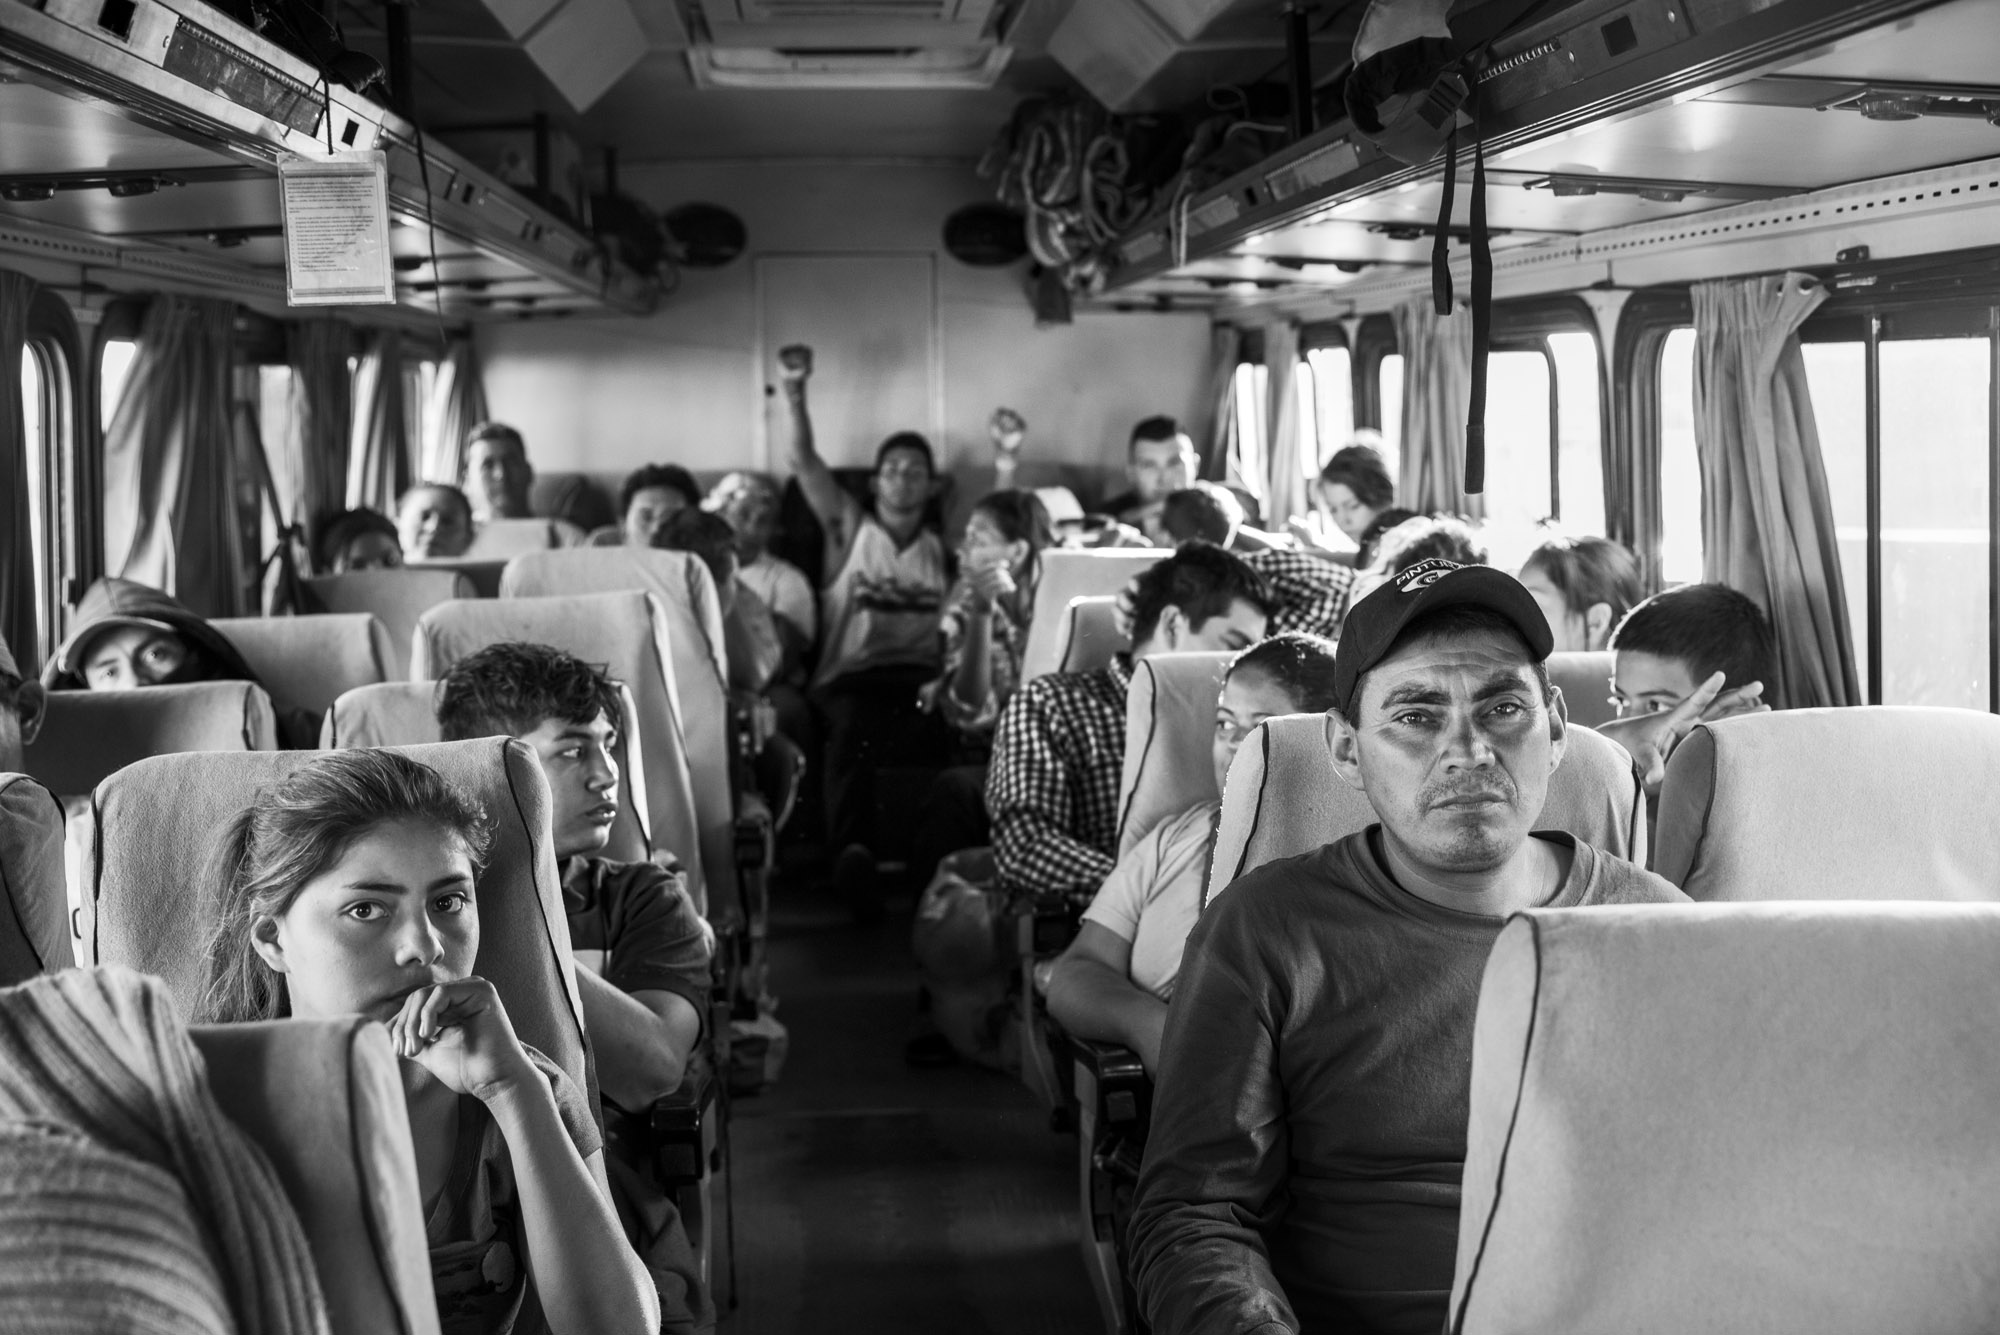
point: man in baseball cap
(1308, 1136)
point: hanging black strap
(1482, 316)
(1441, 240)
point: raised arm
(837, 511)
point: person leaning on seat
(1310, 591)
(1332, 995)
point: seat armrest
(682, 1127)
(1124, 1091)
(1044, 927)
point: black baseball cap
(1374, 623)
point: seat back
(305, 662)
(402, 713)
(396, 598)
(323, 1100)
(1769, 1117)
(1284, 798)
(88, 735)
(1867, 803)
(144, 904)
(1169, 736)
(1585, 679)
(1089, 636)
(34, 919)
(685, 593)
(503, 539)
(1070, 574)
(483, 572)
(626, 632)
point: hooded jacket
(122, 602)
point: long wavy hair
(293, 832)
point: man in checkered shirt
(1052, 790)
(1309, 591)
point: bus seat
(1089, 637)
(1585, 679)
(323, 1099)
(34, 934)
(1062, 505)
(482, 571)
(503, 539)
(626, 632)
(402, 713)
(685, 593)
(1881, 802)
(1284, 798)
(1169, 737)
(396, 598)
(1769, 1117)
(145, 906)
(87, 735)
(1075, 574)
(305, 662)
(575, 498)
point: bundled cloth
(127, 1200)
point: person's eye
(1413, 718)
(451, 902)
(1658, 706)
(365, 911)
(1507, 709)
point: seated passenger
(749, 501)
(126, 635)
(648, 498)
(1310, 591)
(1690, 655)
(433, 522)
(1307, 1144)
(1359, 497)
(752, 646)
(347, 889)
(986, 616)
(1584, 586)
(1416, 540)
(22, 703)
(356, 540)
(1115, 980)
(1160, 459)
(1052, 790)
(498, 478)
(879, 644)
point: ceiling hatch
(847, 44)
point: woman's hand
(989, 584)
(460, 1033)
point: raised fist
(1007, 428)
(795, 361)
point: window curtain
(1437, 383)
(1284, 486)
(378, 467)
(1766, 518)
(1225, 350)
(170, 498)
(17, 552)
(458, 404)
(322, 403)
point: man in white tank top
(879, 636)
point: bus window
(1680, 464)
(37, 404)
(1837, 376)
(1329, 373)
(1247, 394)
(113, 368)
(1580, 445)
(1389, 384)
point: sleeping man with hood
(128, 635)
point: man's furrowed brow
(1415, 693)
(1500, 683)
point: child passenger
(347, 889)
(986, 615)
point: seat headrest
(483, 572)
(1770, 1117)
(501, 539)
(1284, 798)
(87, 735)
(1585, 681)
(1875, 802)
(396, 598)
(305, 662)
(34, 917)
(323, 1099)
(144, 904)
(1169, 736)
(1068, 574)
(682, 583)
(1089, 634)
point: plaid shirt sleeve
(1052, 790)
(1311, 593)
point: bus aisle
(874, 1197)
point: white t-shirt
(1153, 896)
(785, 590)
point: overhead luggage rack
(185, 113)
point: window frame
(1632, 467)
(56, 344)
(1316, 337)
(1525, 326)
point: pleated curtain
(170, 498)
(322, 402)
(1766, 517)
(17, 551)
(1284, 489)
(1437, 385)
(1225, 350)
(458, 404)
(379, 448)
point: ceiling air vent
(847, 24)
(893, 67)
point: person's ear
(264, 940)
(1346, 749)
(31, 702)
(1558, 726)
(1171, 629)
(1596, 625)
(1017, 552)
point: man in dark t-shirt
(1303, 1166)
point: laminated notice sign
(337, 230)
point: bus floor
(871, 1196)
